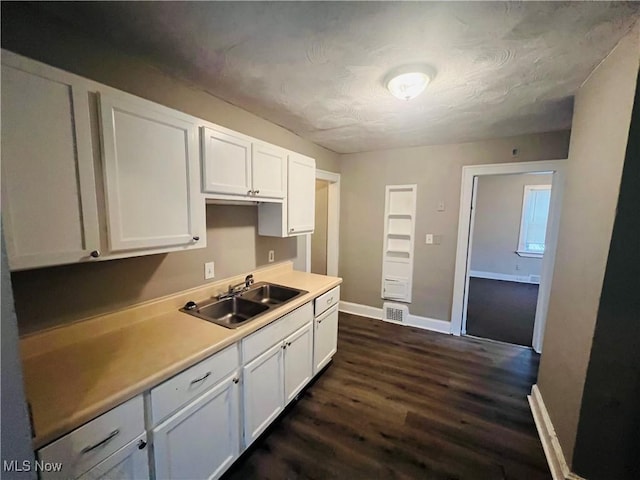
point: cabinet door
(302, 194)
(263, 392)
(298, 357)
(49, 203)
(151, 175)
(203, 439)
(226, 163)
(325, 343)
(269, 171)
(131, 462)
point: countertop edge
(81, 417)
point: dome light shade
(407, 84)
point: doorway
(506, 249)
(464, 254)
(322, 246)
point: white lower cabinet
(325, 338)
(107, 442)
(276, 376)
(263, 392)
(203, 439)
(297, 361)
(131, 462)
(195, 420)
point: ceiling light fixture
(409, 81)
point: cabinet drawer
(177, 391)
(255, 344)
(326, 300)
(88, 445)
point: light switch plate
(209, 270)
(272, 256)
(429, 239)
(441, 206)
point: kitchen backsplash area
(49, 297)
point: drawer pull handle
(329, 300)
(141, 444)
(236, 380)
(100, 443)
(288, 344)
(198, 380)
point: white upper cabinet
(296, 215)
(235, 166)
(269, 171)
(151, 172)
(226, 163)
(49, 207)
(302, 194)
(92, 173)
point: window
(533, 225)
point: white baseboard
(550, 444)
(505, 276)
(412, 321)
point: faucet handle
(248, 280)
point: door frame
(465, 226)
(333, 223)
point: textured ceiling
(317, 68)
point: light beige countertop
(75, 373)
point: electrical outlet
(272, 256)
(517, 266)
(209, 270)
(437, 239)
(429, 239)
(441, 206)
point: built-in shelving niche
(399, 236)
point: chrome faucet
(238, 288)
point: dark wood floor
(399, 402)
(500, 310)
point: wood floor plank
(403, 403)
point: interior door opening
(322, 246)
(506, 249)
(319, 237)
(469, 196)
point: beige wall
(52, 296)
(319, 237)
(497, 225)
(437, 170)
(600, 130)
(48, 297)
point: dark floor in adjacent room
(501, 310)
(399, 402)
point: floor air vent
(395, 312)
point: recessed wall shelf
(399, 236)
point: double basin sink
(238, 310)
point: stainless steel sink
(271, 294)
(245, 306)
